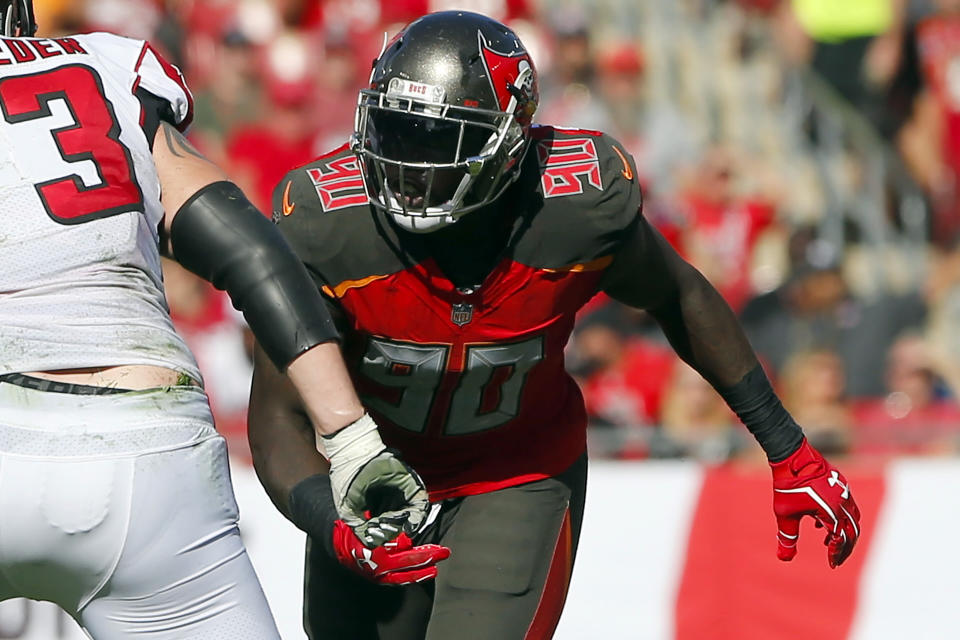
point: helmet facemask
(16, 18)
(427, 162)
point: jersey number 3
(94, 136)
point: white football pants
(119, 508)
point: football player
(456, 241)
(115, 495)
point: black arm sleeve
(312, 509)
(220, 236)
(703, 330)
(759, 408)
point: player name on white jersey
(21, 50)
(80, 273)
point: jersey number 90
(487, 393)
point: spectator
(620, 86)
(569, 94)
(621, 375)
(815, 309)
(926, 96)
(942, 292)
(854, 45)
(342, 79)
(722, 226)
(695, 422)
(232, 98)
(656, 134)
(134, 18)
(59, 16)
(261, 153)
(300, 13)
(915, 415)
(814, 391)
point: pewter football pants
(119, 508)
(512, 553)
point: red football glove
(395, 562)
(805, 484)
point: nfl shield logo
(462, 314)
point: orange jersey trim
(339, 290)
(594, 265)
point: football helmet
(445, 123)
(16, 18)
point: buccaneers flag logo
(511, 75)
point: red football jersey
(469, 385)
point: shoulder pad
(322, 210)
(590, 196)
(153, 72)
(330, 183)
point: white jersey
(80, 278)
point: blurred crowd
(837, 248)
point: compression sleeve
(220, 236)
(760, 410)
(312, 509)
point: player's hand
(805, 484)
(368, 478)
(396, 562)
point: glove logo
(834, 480)
(366, 560)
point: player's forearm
(703, 330)
(329, 398)
(706, 334)
(285, 457)
(649, 274)
(282, 439)
(297, 483)
(281, 464)
(181, 169)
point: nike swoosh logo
(627, 171)
(287, 207)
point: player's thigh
(342, 605)
(511, 558)
(184, 572)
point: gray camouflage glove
(366, 476)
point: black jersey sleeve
(625, 201)
(331, 226)
(297, 213)
(589, 199)
(295, 210)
